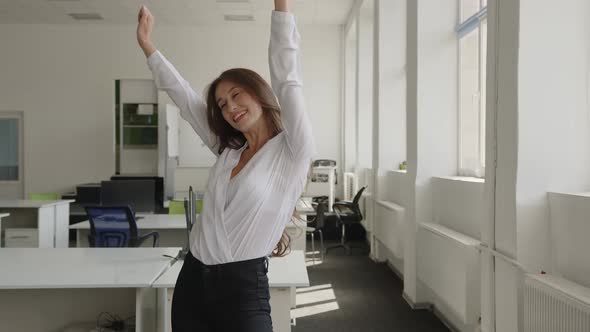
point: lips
(239, 116)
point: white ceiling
(168, 12)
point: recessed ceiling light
(242, 18)
(86, 16)
(232, 1)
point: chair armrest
(343, 203)
(143, 237)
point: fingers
(144, 14)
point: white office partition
(46, 226)
(62, 222)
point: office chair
(318, 225)
(115, 226)
(348, 213)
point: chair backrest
(176, 207)
(358, 195)
(44, 196)
(320, 215)
(111, 226)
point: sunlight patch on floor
(314, 310)
(309, 259)
(314, 300)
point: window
(9, 149)
(472, 35)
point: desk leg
(165, 309)
(82, 238)
(293, 297)
(78, 237)
(280, 304)
(145, 309)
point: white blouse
(243, 218)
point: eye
(221, 106)
(236, 94)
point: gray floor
(353, 293)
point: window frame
(463, 29)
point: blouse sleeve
(285, 74)
(192, 106)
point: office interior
(466, 121)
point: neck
(257, 137)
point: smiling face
(240, 109)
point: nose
(232, 105)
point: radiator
(389, 226)
(448, 263)
(350, 186)
(553, 304)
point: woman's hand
(282, 5)
(145, 24)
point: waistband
(239, 265)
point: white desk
(2, 215)
(171, 228)
(50, 218)
(284, 273)
(47, 290)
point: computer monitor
(159, 194)
(139, 194)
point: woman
(263, 155)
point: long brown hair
(229, 137)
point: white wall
(392, 84)
(365, 89)
(569, 215)
(436, 109)
(458, 204)
(350, 98)
(554, 116)
(62, 77)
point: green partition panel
(44, 196)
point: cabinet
(136, 127)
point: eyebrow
(230, 90)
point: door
(11, 155)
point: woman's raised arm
(192, 106)
(285, 77)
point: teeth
(239, 116)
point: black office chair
(115, 226)
(317, 226)
(348, 213)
